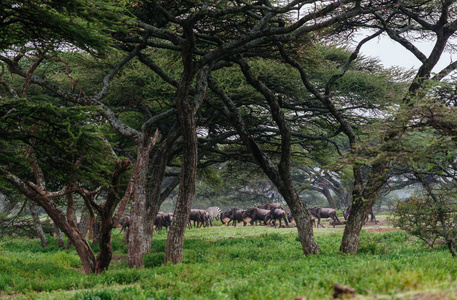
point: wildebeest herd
(266, 214)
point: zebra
(214, 213)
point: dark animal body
(324, 212)
(233, 215)
(277, 214)
(199, 217)
(253, 215)
(163, 220)
(124, 222)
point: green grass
(234, 263)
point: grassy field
(237, 263)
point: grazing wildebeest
(252, 215)
(269, 206)
(347, 212)
(233, 215)
(290, 217)
(124, 222)
(167, 218)
(277, 214)
(324, 212)
(214, 213)
(224, 216)
(199, 217)
(162, 220)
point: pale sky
(392, 54)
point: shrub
(430, 218)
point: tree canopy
(177, 86)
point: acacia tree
(432, 20)
(74, 94)
(206, 34)
(74, 160)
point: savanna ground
(237, 263)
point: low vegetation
(235, 263)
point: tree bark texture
(106, 250)
(175, 239)
(139, 242)
(39, 229)
(157, 167)
(363, 199)
(59, 235)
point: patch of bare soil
(382, 229)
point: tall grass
(231, 263)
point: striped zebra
(214, 213)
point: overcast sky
(392, 54)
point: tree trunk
(59, 235)
(84, 223)
(282, 178)
(186, 112)
(106, 250)
(39, 229)
(363, 199)
(329, 197)
(96, 232)
(156, 174)
(303, 220)
(139, 242)
(175, 239)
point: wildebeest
(252, 215)
(290, 217)
(347, 211)
(277, 214)
(167, 217)
(200, 218)
(124, 222)
(324, 212)
(163, 220)
(269, 206)
(233, 215)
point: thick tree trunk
(363, 198)
(186, 112)
(303, 220)
(37, 223)
(175, 239)
(106, 250)
(139, 237)
(156, 174)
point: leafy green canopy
(65, 142)
(85, 24)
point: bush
(430, 218)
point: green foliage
(66, 141)
(427, 219)
(84, 24)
